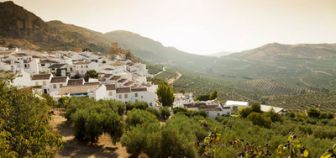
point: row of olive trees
(91, 118)
(178, 137)
(24, 125)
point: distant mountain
(220, 54)
(21, 28)
(153, 51)
(302, 65)
(298, 51)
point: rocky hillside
(19, 27)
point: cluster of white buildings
(214, 108)
(62, 73)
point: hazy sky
(201, 26)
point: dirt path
(163, 70)
(172, 80)
(305, 83)
(72, 148)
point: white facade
(22, 79)
(236, 105)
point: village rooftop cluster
(64, 74)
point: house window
(126, 95)
(61, 85)
(54, 86)
(110, 93)
(119, 96)
(42, 64)
(141, 97)
(136, 94)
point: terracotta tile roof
(81, 62)
(58, 79)
(115, 77)
(75, 82)
(210, 108)
(110, 87)
(48, 61)
(128, 83)
(56, 66)
(107, 75)
(139, 89)
(124, 90)
(41, 77)
(122, 80)
(91, 83)
(76, 89)
(194, 105)
(6, 62)
(20, 54)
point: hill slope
(22, 28)
(154, 52)
(279, 67)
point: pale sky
(200, 26)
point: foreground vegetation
(24, 125)
(147, 131)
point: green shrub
(245, 112)
(135, 117)
(273, 116)
(154, 112)
(255, 107)
(260, 120)
(136, 105)
(165, 113)
(314, 113)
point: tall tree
(213, 95)
(24, 125)
(165, 94)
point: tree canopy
(165, 94)
(24, 125)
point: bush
(144, 138)
(24, 125)
(50, 101)
(136, 105)
(63, 101)
(326, 115)
(117, 106)
(245, 112)
(314, 113)
(165, 113)
(260, 120)
(255, 107)
(89, 124)
(273, 116)
(135, 117)
(154, 112)
(203, 97)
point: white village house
(52, 73)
